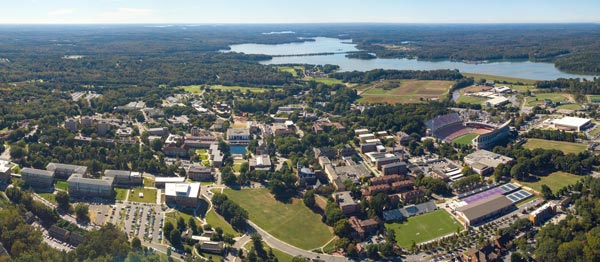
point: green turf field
(423, 228)
(539, 98)
(290, 69)
(149, 195)
(471, 100)
(566, 147)
(569, 106)
(292, 223)
(465, 139)
(555, 181)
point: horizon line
(314, 23)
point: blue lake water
(518, 69)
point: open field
(404, 91)
(471, 100)
(465, 139)
(293, 223)
(217, 221)
(174, 216)
(555, 181)
(121, 194)
(566, 147)
(149, 195)
(424, 228)
(539, 98)
(569, 107)
(290, 69)
(327, 81)
(148, 182)
(61, 185)
(477, 77)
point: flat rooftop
(571, 121)
(191, 190)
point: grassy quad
(555, 181)
(61, 185)
(50, 197)
(403, 91)
(121, 194)
(423, 228)
(566, 147)
(293, 222)
(149, 195)
(465, 139)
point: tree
(181, 224)
(192, 225)
(136, 244)
(167, 228)
(175, 238)
(547, 192)
(17, 152)
(63, 200)
(82, 212)
(309, 198)
(342, 228)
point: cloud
(126, 14)
(62, 11)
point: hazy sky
(297, 11)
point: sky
(296, 11)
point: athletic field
(423, 228)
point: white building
(569, 123)
(182, 194)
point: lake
(518, 69)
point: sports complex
(452, 129)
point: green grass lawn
(555, 181)
(539, 98)
(217, 221)
(239, 88)
(326, 80)
(61, 185)
(148, 182)
(423, 228)
(281, 257)
(471, 99)
(290, 69)
(174, 216)
(569, 107)
(121, 194)
(293, 223)
(477, 77)
(50, 197)
(465, 139)
(566, 147)
(149, 195)
(595, 131)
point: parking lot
(139, 220)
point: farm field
(555, 181)
(149, 195)
(465, 139)
(566, 147)
(277, 218)
(539, 98)
(403, 91)
(423, 228)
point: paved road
(289, 249)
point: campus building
(37, 178)
(65, 171)
(346, 202)
(238, 135)
(182, 194)
(484, 162)
(161, 182)
(542, 214)
(125, 178)
(200, 173)
(569, 123)
(5, 171)
(80, 186)
(479, 211)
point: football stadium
(452, 129)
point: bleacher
(442, 121)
